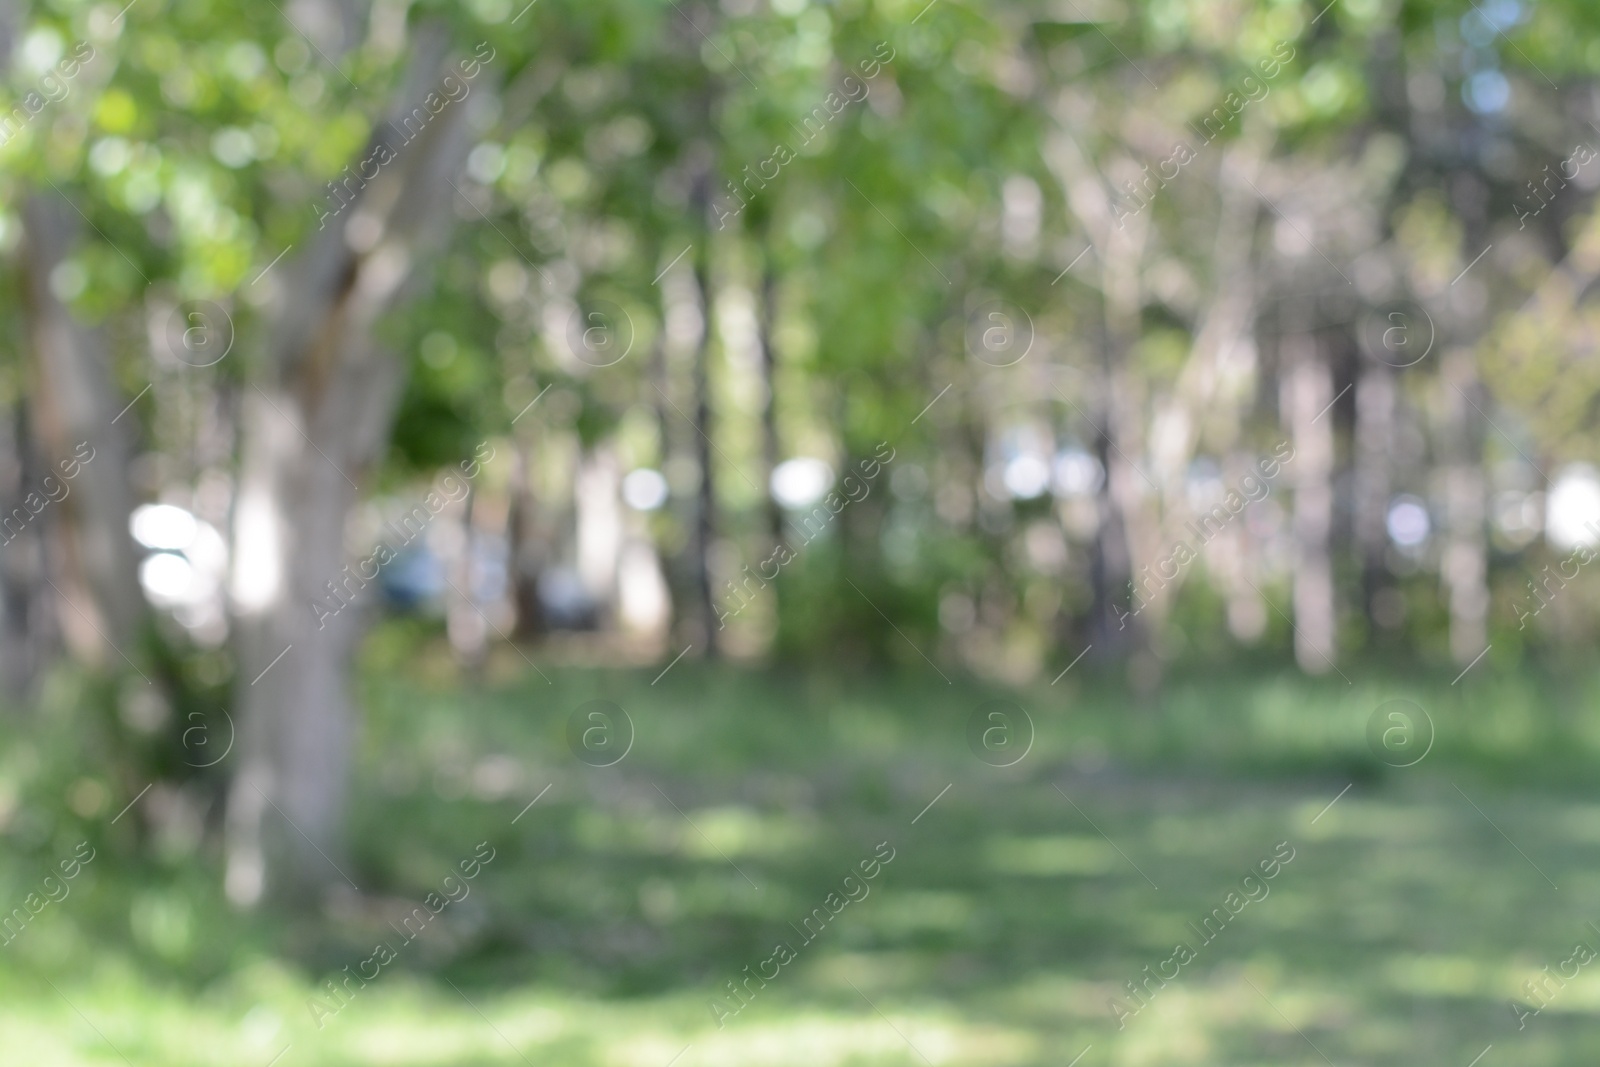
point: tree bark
(27, 630)
(75, 407)
(1464, 563)
(1307, 386)
(706, 509)
(465, 623)
(316, 422)
(1217, 380)
(524, 547)
(765, 317)
(1124, 535)
(1374, 443)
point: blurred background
(821, 532)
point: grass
(1015, 907)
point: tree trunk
(1110, 568)
(706, 510)
(76, 412)
(292, 701)
(27, 630)
(1464, 563)
(600, 535)
(312, 426)
(1307, 390)
(524, 547)
(765, 317)
(465, 622)
(1217, 381)
(1118, 540)
(1374, 442)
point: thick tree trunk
(293, 704)
(313, 425)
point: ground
(603, 923)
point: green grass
(1015, 907)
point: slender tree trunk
(706, 510)
(76, 413)
(524, 547)
(1126, 534)
(1232, 555)
(1216, 382)
(1375, 419)
(465, 624)
(26, 628)
(677, 453)
(1464, 564)
(1126, 480)
(1374, 443)
(1307, 390)
(766, 315)
(1110, 568)
(600, 534)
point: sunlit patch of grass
(1427, 974)
(914, 911)
(833, 1039)
(735, 831)
(422, 1025)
